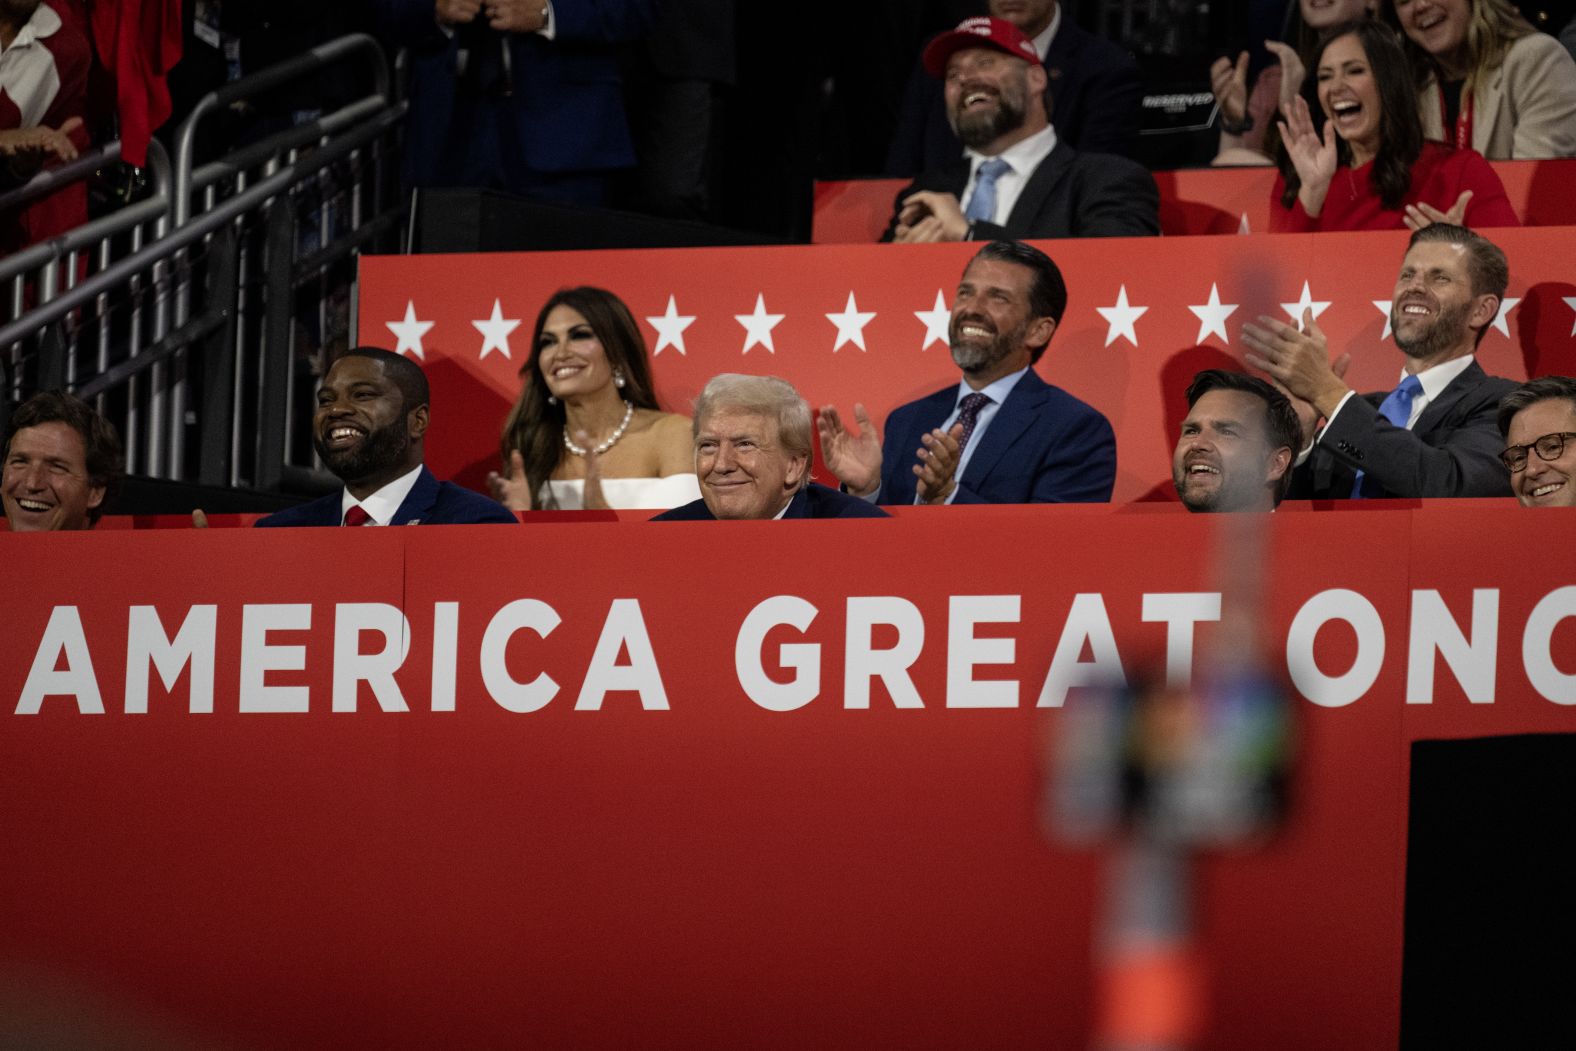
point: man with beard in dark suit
(372, 414)
(1096, 85)
(1000, 436)
(1015, 179)
(1436, 433)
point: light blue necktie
(1397, 408)
(982, 202)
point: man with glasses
(1538, 420)
(1434, 435)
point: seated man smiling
(753, 441)
(62, 462)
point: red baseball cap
(981, 31)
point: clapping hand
(1313, 155)
(938, 464)
(512, 490)
(1424, 214)
(855, 458)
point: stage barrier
(868, 323)
(687, 784)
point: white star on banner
(410, 331)
(758, 326)
(670, 328)
(1212, 315)
(1502, 322)
(850, 325)
(1384, 306)
(1303, 304)
(495, 331)
(1570, 301)
(1243, 227)
(1120, 319)
(937, 321)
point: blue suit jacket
(1043, 446)
(1096, 104)
(813, 501)
(566, 112)
(430, 502)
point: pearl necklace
(612, 439)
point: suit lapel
(1039, 187)
(418, 503)
(1011, 420)
(799, 506)
(1454, 391)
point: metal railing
(201, 309)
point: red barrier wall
(1134, 375)
(668, 863)
(1194, 200)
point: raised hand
(1292, 70)
(592, 498)
(512, 490)
(854, 457)
(938, 464)
(1230, 84)
(1314, 156)
(1424, 214)
(1299, 361)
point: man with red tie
(372, 414)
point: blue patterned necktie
(1397, 408)
(968, 415)
(982, 202)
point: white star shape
(670, 327)
(495, 331)
(938, 319)
(1570, 301)
(410, 331)
(1502, 322)
(1384, 306)
(1120, 319)
(1304, 304)
(1212, 316)
(1243, 227)
(758, 326)
(850, 325)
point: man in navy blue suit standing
(1002, 435)
(372, 414)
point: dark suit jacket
(566, 112)
(813, 501)
(430, 502)
(1043, 446)
(1452, 451)
(1096, 93)
(1070, 194)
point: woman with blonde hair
(586, 431)
(1486, 79)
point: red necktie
(357, 516)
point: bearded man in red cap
(1014, 180)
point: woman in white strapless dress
(585, 431)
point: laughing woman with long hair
(1364, 164)
(586, 431)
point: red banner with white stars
(868, 323)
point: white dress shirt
(383, 504)
(1022, 158)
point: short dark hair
(100, 443)
(1047, 291)
(1284, 428)
(1544, 388)
(1486, 264)
(401, 371)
